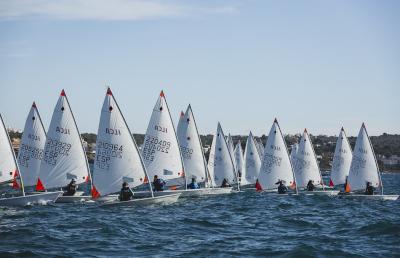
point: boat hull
(187, 193)
(373, 197)
(77, 197)
(164, 199)
(36, 198)
(321, 192)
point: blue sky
(314, 64)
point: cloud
(102, 9)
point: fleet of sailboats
(47, 162)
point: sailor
(193, 184)
(70, 189)
(125, 194)
(225, 183)
(345, 186)
(369, 190)
(158, 184)
(258, 186)
(310, 186)
(282, 189)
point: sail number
(153, 144)
(186, 152)
(62, 130)
(54, 149)
(105, 152)
(27, 152)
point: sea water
(243, 224)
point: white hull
(374, 197)
(164, 199)
(321, 192)
(37, 198)
(77, 197)
(186, 193)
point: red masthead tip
(275, 120)
(109, 92)
(162, 94)
(34, 104)
(62, 93)
(182, 114)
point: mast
(376, 163)
(176, 138)
(80, 139)
(134, 142)
(201, 146)
(287, 152)
(13, 155)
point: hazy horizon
(311, 64)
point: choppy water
(245, 224)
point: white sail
(220, 162)
(161, 154)
(276, 163)
(117, 157)
(8, 166)
(191, 148)
(64, 156)
(305, 163)
(341, 160)
(252, 162)
(294, 151)
(31, 149)
(363, 167)
(231, 149)
(239, 160)
(260, 148)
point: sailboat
(276, 165)
(193, 157)
(364, 168)
(9, 176)
(160, 151)
(306, 168)
(64, 157)
(31, 149)
(220, 162)
(239, 160)
(252, 162)
(231, 148)
(118, 159)
(260, 148)
(293, 153)
(341, 160)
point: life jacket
(258, 186)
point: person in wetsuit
(369, 190)
(193, 184)
(125, 194)
(225, 183)
(282, 189)
(310, 186)
(70, 189)
(158, 184)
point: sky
(311, 64)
